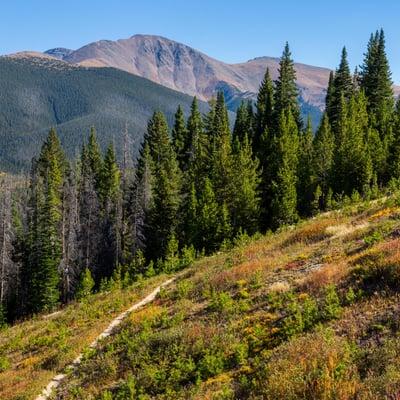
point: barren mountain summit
(185, 69)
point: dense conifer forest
(38, 93)
(78, 226)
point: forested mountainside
(39, 92)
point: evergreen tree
(263, 119)
(190, 218)
(284, 183)
(85, 285)
(198, 145)
(89, 207)
(394, 151)
(352, 166)
(163, 214)
(94, 158)
(208, 219)
(305, 189)
(286, 92)
(378, 152)
(110, 197)
(264, 131)
(221, 153)
(246, 180)
(323, 150)
(109, 178)
(375, 79)
(243, 123)
(140, 201)
(330, 96)
(180, 138)
(342, 85)
(158, 140)
(45, 247)
(376, 82)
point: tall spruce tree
(221, 153)
(163, 214)
(264, 116)
(110, 196)
(140, 201)
(353, 166)
(305, 189)
(94, 157)
(342, 85)
(286, 93)
(243, 123)
(180, 138)
(246, 180)
(208, 218)
(283, 206)
(375, 80)
(394, 150)
(198, 145)
(323, 153)
(89, 207)
(44, 237)
(329, 95)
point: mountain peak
(59, 52)
(190, 71)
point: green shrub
(310, 312)
(331, 306)
(241, 353)
(183, 288)
(188, 256)
(85, 286)
(221, 302)
(107, 395)
(127, 390)
(256, 280)
(351, 296)
(374, 237)
(4, 363)
(211, 364)
(293, 323)
(150, 272)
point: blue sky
(230, 30)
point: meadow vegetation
(306, 313)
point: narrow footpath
(58, 379)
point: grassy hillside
(38, 93)
(311, 312)
(32, 351)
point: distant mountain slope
(185, 69)
(40, 92)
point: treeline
(196, 188)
